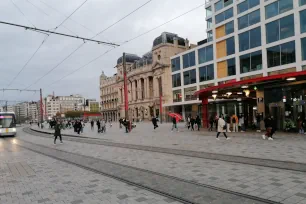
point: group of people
(229, 119)
(101, 125)
(191, 121)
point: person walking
(228, 123)
(192, 121)
(198, 122)
(120, 123)
(154, 122)
(221, 128)
(268, 125)
(211, 123)
(99, 125)
(188, 122)
(235, 122)
(174, 124)
(300, 125)
(241, 123)
(103, 126)
(78, 126)
(92, 123)
(274, 126)
(57, 132)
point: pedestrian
(174, 124)
(198, 122)
(268, 125)
(241, 123)
(216, 121)
(300, 125)
(228, 122)
(38, 124)
(211, 123)
(98, 125)
(57, 132)
(188, 122)
(92, 123)
(120, 123)
(258, 121)
(235, 122)
(78, 126)
(126, 123)
(154, 122)
(274, 126)
(221, 128)
(192, 121)
(103, 126)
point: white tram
(7, 124)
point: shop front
(282, 96)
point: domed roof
(129, 58)
(166, 37)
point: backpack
(233, 120)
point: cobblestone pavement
(268, 183)
(30, 178)
(283, 148)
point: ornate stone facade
(144, 75)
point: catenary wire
(127, 41)
(91, 38)
(39, 9)
(42, 41)
(22, 12)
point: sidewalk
(284, 148)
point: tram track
(177, 189)
(286, 165)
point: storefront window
(280, 29)
(190, 77)
(281, 54)
(278, 7)
(176, 64)
(176, 80)
(177, 96)
(303, 20)
(189, 93)
(189, 59)
(206, 73)
(303, 44)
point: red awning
(251, 81)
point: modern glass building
(252, 63)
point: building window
(281, 54)
(189, 93)
(222, 4)
(302, 2)
(303, 20)
(280, 29)
(209, 23)
(248, 4)
(189, 59)
(231, 67)
(278, 7)
(177, 95)
(229, 28)
(249, 19)
(176, 64)
(230, 46)
(208, 11)
(224, 15)
(250, 39)
(205, 54)
(303, 44)
(251, 62)
(209, 36)
(176, 80)
(206, 73)
(190, 77)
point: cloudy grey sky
(18, 45)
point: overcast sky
(18, 45)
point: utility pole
(41, 107)
(160, 99)
(5, 106)
(126, 101)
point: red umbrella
(177, 116)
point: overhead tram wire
(22, 13)
(128, 41)
(35, 29)
(91, 38)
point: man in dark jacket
(154, 121)
(174, 125)
(57, 132)
(192, 121)
(98, 125)
(268, 125)
(198, 122)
